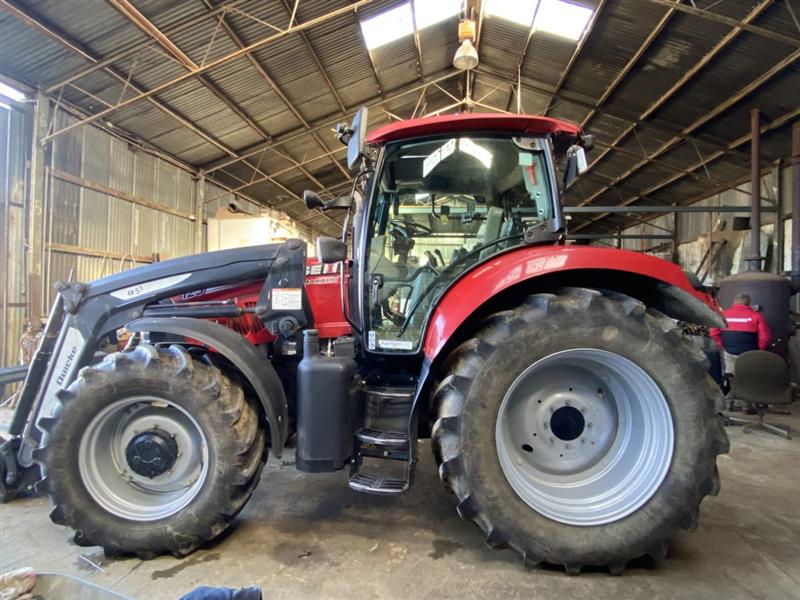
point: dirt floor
(309, 536)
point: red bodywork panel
(324, 296)
(506, 270)
(472, 122)
(460, 301)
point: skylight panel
(517, 11)
(387, 26)
(563, 19)
(11, 93)
(430, 12)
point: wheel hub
(143, 458)
(567, 427)
(151, 453)
(567, 423)
(584, 436)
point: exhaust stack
(754, 260)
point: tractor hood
(172, 273)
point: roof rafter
(574, 58)
(740, 141)
(684, 79)
(746, 25)
(327, 122)
(702, 120)
(211, 65)
(261, 69)
(131, 13)
(52, 32)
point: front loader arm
(83, 314)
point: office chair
(762, 378)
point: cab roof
(473, 123)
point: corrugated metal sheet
(616, 38)
(89, 219)
(14, 147)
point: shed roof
(664, 86)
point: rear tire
(114, 490)
(506, 477)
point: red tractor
(568, 416)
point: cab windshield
(441, 206)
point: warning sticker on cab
(395, 344)
(287, 299)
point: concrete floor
(308, 536)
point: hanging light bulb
(466, 56)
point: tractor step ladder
(383, 438)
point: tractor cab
(442, 195)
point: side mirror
(354, 136)
(576, 164)
(312, 201)
(330, 250)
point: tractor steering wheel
(409, 228)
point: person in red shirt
(747, 330)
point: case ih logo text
(321, 269)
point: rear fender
(505, 280)
(250, 362)
(656, 282)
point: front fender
(243, 355)
(658, 283)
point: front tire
(152, 452)
(578, 429)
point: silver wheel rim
(111, 481)
(584, 436)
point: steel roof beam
(171, 29)
(640, 208)
(688, 76)
(145, 25)
(417, 44)
(61, 38)
(574, 58)
(718, 18)
(261, 70)
(651, 37)
(775, 124)
(328, 122)
(732, 100)
(211, 65)
(322, 71)
(573, 98)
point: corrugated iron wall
(694, 227)
(15, 127)
(97, 220)
(108, 206)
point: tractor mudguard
(656, 282)
(252, 364)
(509, 277)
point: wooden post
(199, 213)
(36, 202)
